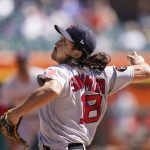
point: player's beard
(54, 52)
(70, 61)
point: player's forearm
(39, 98)
(35, 101)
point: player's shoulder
(109, 69)
(57, 70)
(63, 68)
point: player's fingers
(134, 53)
(129, 56)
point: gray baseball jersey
(76, 113)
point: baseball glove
(10, 130)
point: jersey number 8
(91, 103)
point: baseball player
(72, 99)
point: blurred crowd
(120, 25)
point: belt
(71, 146)
(46, 147)
(76, 146)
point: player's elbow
(54, 87)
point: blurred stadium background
(121, 26)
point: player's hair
(95, 62)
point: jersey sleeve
(119, 77)
(53, 73)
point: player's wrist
(12, 117)
(142, 64)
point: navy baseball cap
(82, 36)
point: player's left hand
(10, 130)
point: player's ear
(76, 53)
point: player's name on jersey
(85, 81)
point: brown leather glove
(10, 130)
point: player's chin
(53, 56)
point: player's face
(62, 50)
